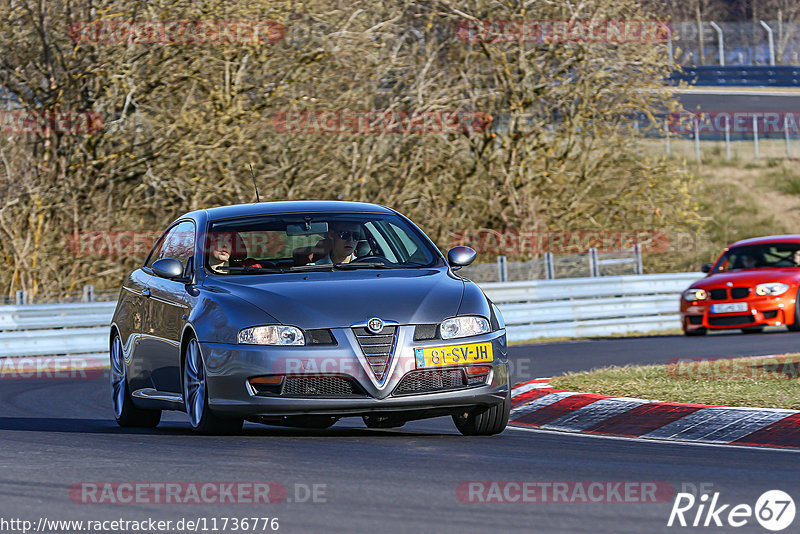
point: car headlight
(695, 294)
(272, 335)
(771, 288)
(464, 326)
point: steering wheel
(371, 258)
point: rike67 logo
(774, 510)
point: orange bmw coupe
(754, 283)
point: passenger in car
(219, 253)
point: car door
(167, 305)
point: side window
(178, 243)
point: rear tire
(195, 397)
(695, 333)
(484, 420)
(126, 414)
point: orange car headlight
(771, 288)
(695, 294)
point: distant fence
(551, 266)
(750, 76)
(575, 307)
(583, 307)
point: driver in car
(340, 243)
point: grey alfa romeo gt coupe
(301, 313)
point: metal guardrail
(583, 307)
(573, 307)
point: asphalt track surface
(57, 433)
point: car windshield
(315, 242)
(760, 256)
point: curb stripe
(783, 433)
(643, 419)
(704, 422)
(557, 409)
(755, 422)
(545, 400)
(529, 396)
(594, 413)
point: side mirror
(168, 268)
(706, 268)
(459, 257)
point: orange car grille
(735, 293)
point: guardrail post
(771, 43)
(786, 135)
(697, 139)
(21, 298)
(755, 135)
(721, 43)
(88, 294)
(502, 269)
(593, 267)
(549, 266)
(727, 137)
(637, 254)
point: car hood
(750, 277)
(342, 298)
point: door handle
(146, 293)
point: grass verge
(765, 382)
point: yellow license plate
(454, 355)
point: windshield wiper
(363, 265)
(251, 269)
(321, 267)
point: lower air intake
(427, 381)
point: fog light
(477, 374)
(267, 384)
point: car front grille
(740, 292)
(433, 380)
(718, 294)
(730, 320)
(695, 319)
(319, 386)
(770, 314)
(377, 348)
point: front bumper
(230, 366)
(762, 311)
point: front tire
(795, 326)
(695, 333)
(126, 414)
(195, 397)
(484, 420)
(753, 330)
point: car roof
(789, 238)
(295, 206)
